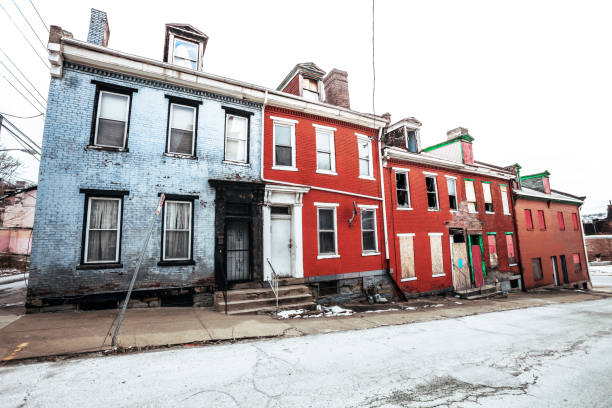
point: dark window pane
(453, 202)
(180, 141)
(283, 156)
(177, 244)
(369, 241)
(488, 207)
(432, 200)
(326, 219)
(367, 220)
(110, 132)
(327, 244)
(402, 198)
(412, 141)
(400, 181)
(280, 210)
(102, 246)
(431, 185)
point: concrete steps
(477, 293)
(243, 301)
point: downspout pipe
(517, 250)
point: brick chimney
(336, 88)
(98, 28)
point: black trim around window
(105, 86)
(177, 197)
(94, 193)
(194, 103)
(245, 114)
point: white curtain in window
(113, 106)
(452, 186)
(177, 230)
(103, 230)
(236, 138)
(183, 117)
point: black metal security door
(564, 269)
(237, 251)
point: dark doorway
(237, 251)
(564, 269)
(555, 270)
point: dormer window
(185, 53)
(411, 142)
(310, 89)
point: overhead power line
(20, 93)
(20, 117)
(24, 36)
(29, 25)
(29, 149)
(43, 104)
(38, 14)
(23, 134)
(22, 74)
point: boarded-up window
(437, 262)
(504, 196)
(541, 220)
(575, 221)
(470, 195)
(536, 266)
(406, 245)
(577, 264)
(510, 248)
(486, 189)
(403, 190)
(492, 250)
(528, 220)
(561, 220)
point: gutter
(519, 261)
(384, 204)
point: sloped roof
(553, 196)
(305, 67)
(187, 29)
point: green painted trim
(543, 174)
(509, 233)
(502, 184)
(471, 259)
(491, 233)
(485, 182)
(465, 137)
(469, 179)
(484, 270)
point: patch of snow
(380, 310)
(410, 308)
(286, 314)
(337, 311)
(459, 303)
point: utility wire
(38, 14)
(24, 135)
(44, 105)
(23, 35)
(20, 117)
(20, 93)
(29, 25)
(373, 68)
(22, 74)
(31, 151)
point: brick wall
(67, 166)
(599, 245)
(293, 87)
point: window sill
(367, 177)
(404, 208)
(472, 212)
(512, 264)
(331, 173)
(439, 275)
(176, 263)
(107, 148)
(408, 279)
(489, 212)
(236, 163)
(91, 266)
(433, 209)
(453, 211)
(507, 214)
(328, 256)
(370, 253)
(285, 168)
(181, 156)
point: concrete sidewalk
(72, 333)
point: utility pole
(144, 248)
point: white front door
(280, 232)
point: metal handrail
(273, 281)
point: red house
(450, 218)
(550, 234)
(323, 194)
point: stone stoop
(243, 301)
(478, 293)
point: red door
(477, 264)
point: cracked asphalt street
(552, 356)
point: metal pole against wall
(144, 248)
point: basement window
(328, 288)
(432, 192)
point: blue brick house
(117, 136)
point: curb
(15, 278)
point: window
(103, 230)
(504, 196)
(402, 188)
(412, 141)
(470, 195)
(326, 158)
(510, 248)
(493, 261)
(406, 247)
(181, 129)
(369, 242)
(284, 145)
(488, 199)
(528, 220)
(541, 220)
(236, 138)
(310, 89)
(365, 156)
(327, 231)
(185, 53)
(561, 220)
(451, 185)
(536, 266)
(177, 231)
(432, 192)
(112, 119)
(577, 264)
(575, 221)
(437, 262)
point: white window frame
(291, 124)
(334, 207)
(373, 208)
(87, 229)
(441, 235)
(164, 258)
(361, 139)
(456, 193)
(504, 196)
(193, 132)
(246, 139)
(173, 47)
(127, 115)
(331, 131)
(435, 179)
(406, 172)
(484, 194)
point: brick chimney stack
(98, 28)
(336, 88)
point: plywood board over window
(437, 261)
(406, 245)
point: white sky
(530, 80)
